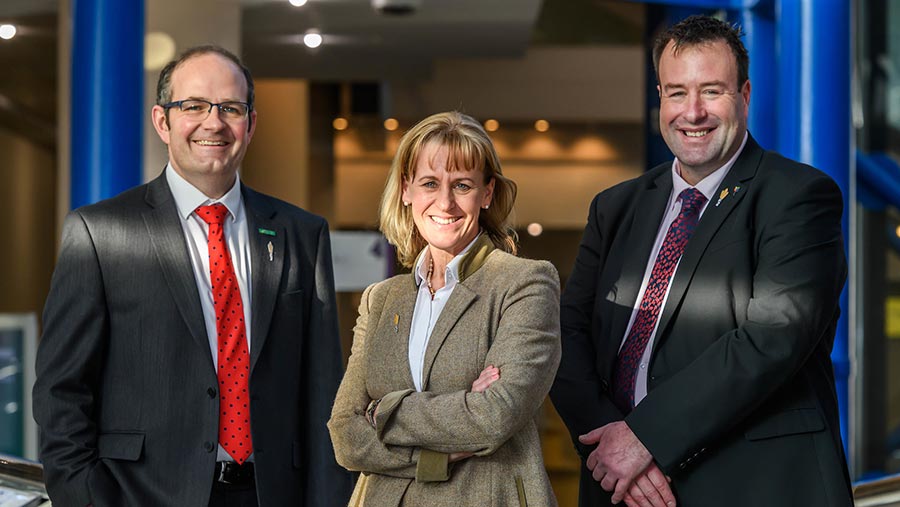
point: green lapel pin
(267, 232)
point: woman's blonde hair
(470, 148)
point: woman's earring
(486, 206)
(405, 203)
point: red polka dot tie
(233, 356)
(629, 357)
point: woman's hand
(487, 377)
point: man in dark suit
(177, 304)
(698, 321)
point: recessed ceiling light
(542, 125)
(391, 124)
(7, 32)
(340, 123)
(312, 40)
(298, 3)
(491, 125)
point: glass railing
(21, 483)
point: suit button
(211, 392)
(208, 446)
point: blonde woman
(450, 363)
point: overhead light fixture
(340, 123)
(542, 125)
(491, 125)
(312, 40)
(298, 3)
(7, 32)
(159, 49)
(391, 124)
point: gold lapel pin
(723, 194)
(396, 322)
(271, 251)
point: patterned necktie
(233, 356)
(629, 357)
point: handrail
(21, 468)
(884, 492)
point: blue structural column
(814, 112)
(758, 24)
(106, 98)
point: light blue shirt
(196, 233)
(427, 310)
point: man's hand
(650, 489)
(618, 459)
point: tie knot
(212, 214)
(691, 200)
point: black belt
(229, 472)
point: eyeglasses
(199, 109)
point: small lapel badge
(396, 322)
(736, 190)
(271, 251)
(267, 232)
(723, 194)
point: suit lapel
(649, 208)
(716, 211)
(459, 301)
(167, 236)
(393, 338)
(267, 239)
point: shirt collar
(188, 197)
(708, 185)
(452, 271)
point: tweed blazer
(503, 312)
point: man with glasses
(190, 352)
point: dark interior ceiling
(360, 44)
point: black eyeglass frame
(178, 104)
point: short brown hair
(470, 149)
(164, 84)
(697, 30)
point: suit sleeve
(796, 285)
(326, 481)
(356, 446)
(69, 362)
(525, 349)
(579, 394)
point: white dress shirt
(427, 310)
(196, 233)
(708, 186)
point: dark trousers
(233, 495)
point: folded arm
(525, 350)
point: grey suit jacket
(125, 395)
(503, 312)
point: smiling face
(208, 152)
(702, 113)
(446, 200)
